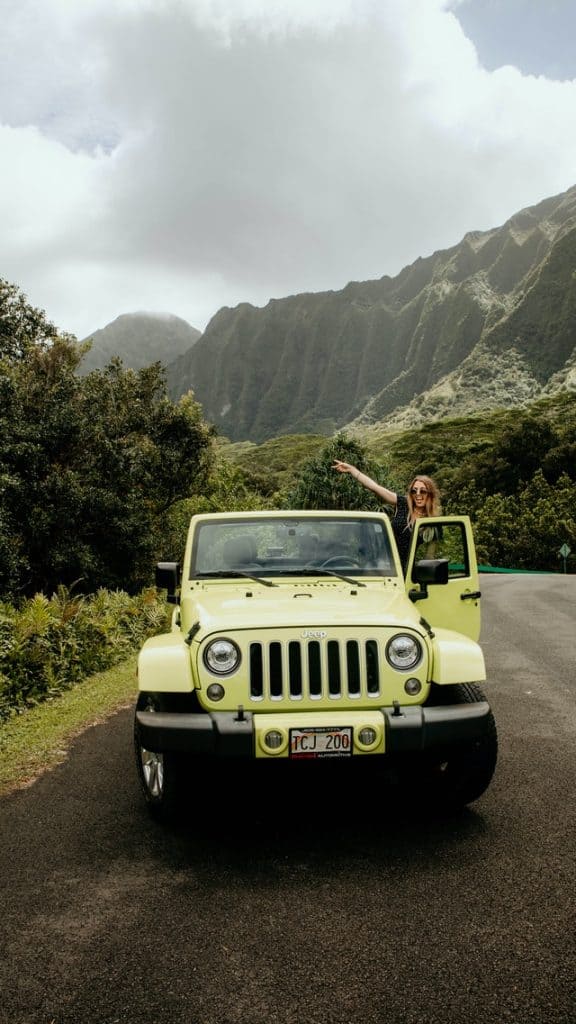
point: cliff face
(486, 323)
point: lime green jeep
(296, 638)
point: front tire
(161, 779)
(455, 776)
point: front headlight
(404, 652)
(222, 657)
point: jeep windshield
(285, 546)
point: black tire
(161, 779)
(455, 776)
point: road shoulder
(39, 738)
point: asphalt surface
(307, 907)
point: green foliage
(21, 326)
(514, 458)
(229, 489)
(319, 486)
(528, 530)
(89, 466)
(272, 468)
(48, 644)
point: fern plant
(50, 644)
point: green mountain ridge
(485, 324)
(527, 354)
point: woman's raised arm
(390, 497)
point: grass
(38, 739)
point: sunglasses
(418, 490)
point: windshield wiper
(320, 572)
(224, 573)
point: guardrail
(531, 572)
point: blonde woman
(422, 500)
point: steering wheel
(339, 560)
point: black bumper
(225, 734)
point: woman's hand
(344, 467)
(390, 497)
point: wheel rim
(152, 771)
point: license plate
(321, 741)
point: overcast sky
(183, 155)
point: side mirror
(168, 578)
(428, 572)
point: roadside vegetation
(49, 644)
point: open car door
(455, 604)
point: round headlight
(403, 651)
(222, 657)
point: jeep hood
(228, 609)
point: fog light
(215, 691)
(367, 736)
(273, 739)
(412, 687)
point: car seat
(238, 552)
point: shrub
(49, 644)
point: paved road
(350, 913)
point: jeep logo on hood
(314, 634)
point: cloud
(187, 154)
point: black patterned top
(402, 529)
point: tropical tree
(514, 457)
(320, 486)
(89, 466)
(22, 327)
(526, 531)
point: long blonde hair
(433, 506)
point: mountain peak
(139, 339)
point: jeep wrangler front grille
(313, 669)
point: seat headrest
(239, 551)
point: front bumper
(230, 734)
